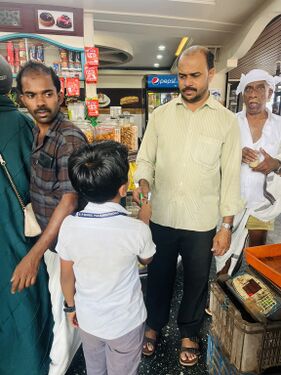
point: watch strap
(227, 226)
(68, 309)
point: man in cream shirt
(190, 160)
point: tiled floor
(165, 361)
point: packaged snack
(71, 59)
(77, 61)
(91, 74)
(62, 85)
(92, 107)
(10, 53)
(40, 53)
(86, 127)
(72, 86)
(63, 58)
(22, 53)
(17, 60)
(56, 67)
(32, 53)
(92, 56)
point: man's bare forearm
(67, 280)
(67, 206)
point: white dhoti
(267, 210)
(66, 338)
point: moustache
(188, 88)
(43, 109)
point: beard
(199, 94)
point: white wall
(124, 78)
(219, 82)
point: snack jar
(106, 133)
(129, 136)
(86, 127)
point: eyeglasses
(259, 89)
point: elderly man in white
(260, 131)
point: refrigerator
(158, 90)
(234, 102)
(276, 104)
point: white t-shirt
(109, 301)
(270, 141)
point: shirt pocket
(206, 151)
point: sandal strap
(185, 349)
(193, 339)
(149, 340)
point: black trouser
(195, 250)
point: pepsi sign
(157, 81)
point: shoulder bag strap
(9, 177)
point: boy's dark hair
(97, 171)
(36, 66)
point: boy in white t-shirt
(99, 249)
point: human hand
(221, 242)
(269, 164)
(140, 194)
(249, 155)
(144, 213)
(72, 318)
(25, 273)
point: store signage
(162, 81)
(43, 19)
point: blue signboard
(159, 81)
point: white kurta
(270, 141)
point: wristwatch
(227, 226)
(68, 309)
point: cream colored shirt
(192, 162)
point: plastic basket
(217, 363)
(249, 346)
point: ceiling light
(156, 65)
(181, 45)
(162, 47)
(159, 57)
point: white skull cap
(257, 75)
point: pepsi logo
(155, 80)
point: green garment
(26, 320)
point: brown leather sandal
(149, 345)
(193, 349)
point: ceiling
(145, 24)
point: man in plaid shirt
(52, 195)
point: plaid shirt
(49, 172)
